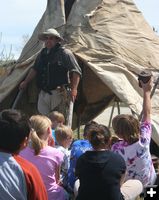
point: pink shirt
(137, 156)
(46, 162)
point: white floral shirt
(137, 156)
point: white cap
(49, 32)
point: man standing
(56, 69)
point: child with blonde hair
(57, 119)
(64, 136)
(46, 158)
(135, 144)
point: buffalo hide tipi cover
(112, 42)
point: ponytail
(39, 124)
(99, 136)
(36, 142)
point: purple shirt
(137, 156)
(46, 162)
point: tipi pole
(118, 107)
(78, 126)
(111, 115)
(116, 101)
(18, 97)
(70, 114)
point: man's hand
(74, 85)
(32, 73)
(73, 94)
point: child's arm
(146, 100)
(145, 127)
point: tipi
(112, 42)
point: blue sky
(19, 17)
(149, 8)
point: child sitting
(46, 158)
(101, 172)
(56, 118)
(134, 147)
(19, 179)
(77, 149)
(64, 137)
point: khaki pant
(58, 101)
(131, 189)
